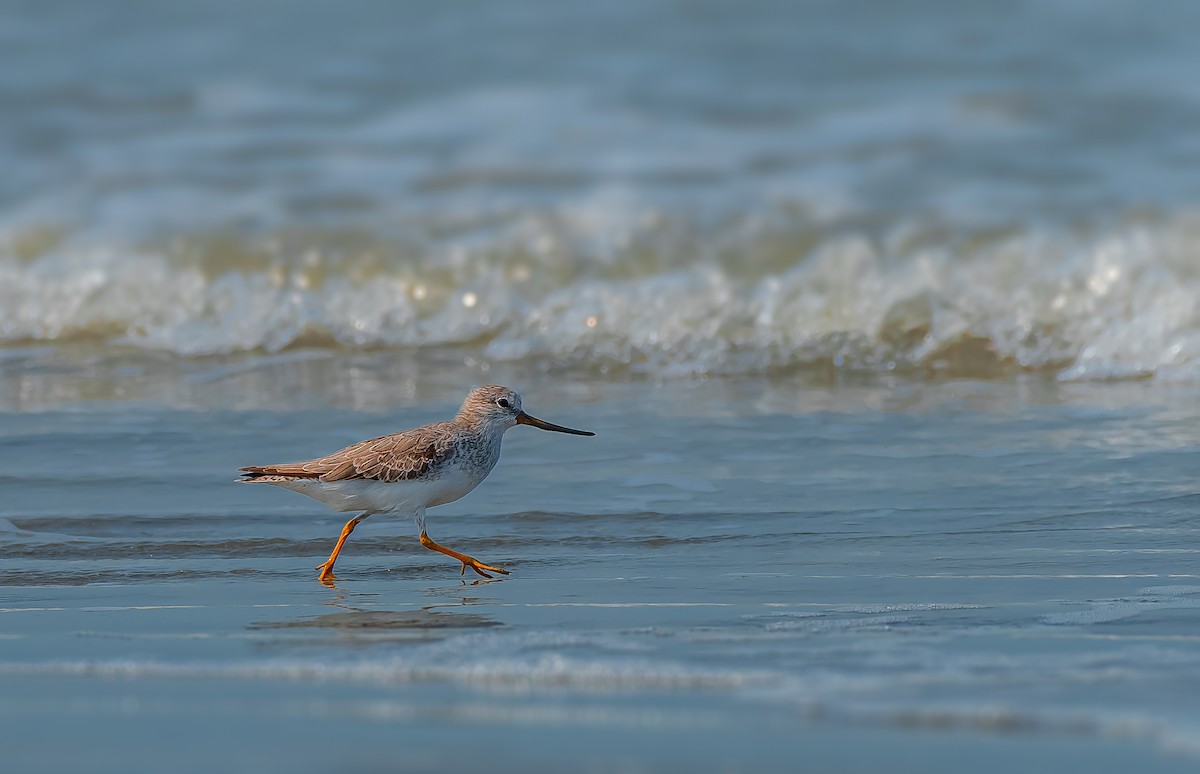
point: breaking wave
(648, 295)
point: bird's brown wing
(389, 458)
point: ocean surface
(885, 316)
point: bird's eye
(503, 403)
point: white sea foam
(1088, 305)
(548, 672)
(893, 697)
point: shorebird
(410, 471)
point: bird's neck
(480, 426)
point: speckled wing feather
(389, 458)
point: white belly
(376, 497)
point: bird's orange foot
(326, 577)
(480, 567)
(467, 561)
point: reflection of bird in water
(406, 624)
(410, 471)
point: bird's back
(404, 456)
(419, 468)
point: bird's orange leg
(467, 561)
(326, 569)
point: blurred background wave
(656, 188)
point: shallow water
(732, 575)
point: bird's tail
(267, 474)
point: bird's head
(500, 408)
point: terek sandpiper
(410, 471)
